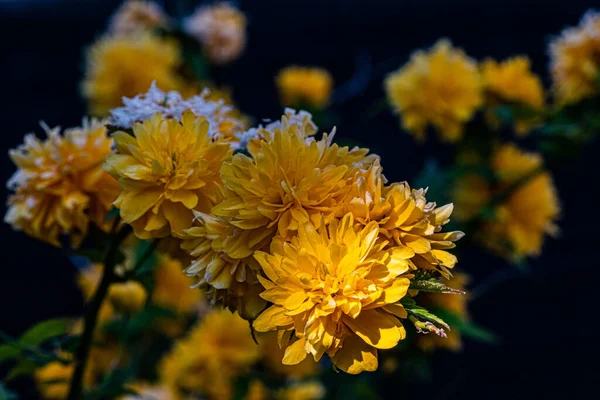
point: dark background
(545, 317)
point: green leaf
(23, 367)
(45, 330)
(9, 352)
(422, 314)
(433, 287)
(435, 179)
(145, 258)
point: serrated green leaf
(45, 330)
(433, 287)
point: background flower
(304, 86)
(125, 66)
(440, 87)
(60, 186)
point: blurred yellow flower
(405, 218)
(529, 210)
(124, 66)
(302, 391)
(334, 290)
(137, 16)
(454, 304)
(273, 355)
(166, 169)
(53, 380)
(512, 81)
(215, 351)
(441, 88)
(574, 62)
(221, 30)
(303, 86)
(172, 287)
(60, 186)
(127, 296)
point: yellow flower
(287, 182)
(215, 351)
(166, 169)
(53, 380)
(124, 66)
(334, 290)
(529, 211)
(512, 81)
(405, 218)
(453, 303)
(221, 29)
(127, 296)
(228, 279)
(60, 186)
(172, 288)
(441, 88)
(137, 16)
(304, 86)
(274, 354)
(574, 62)
(302, 391)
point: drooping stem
(91, 315)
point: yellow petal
(379, 329)
(355, 356)
(272, 318)
(295, 353)
(135, 204)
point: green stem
(91, 316)
(40, 353)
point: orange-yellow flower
(405, 218)
(302, 391)
(574, 61)
(216, 350)
(166, 170)
(529, 211)
(273, 355)
(335, 291)
(221, 29)
(125, 66)
(60, 186)
(304, 86)
(441, 88)
(512, 81)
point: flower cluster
(521, 200)
(574, 60)
(60, 186)
(441, 88)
